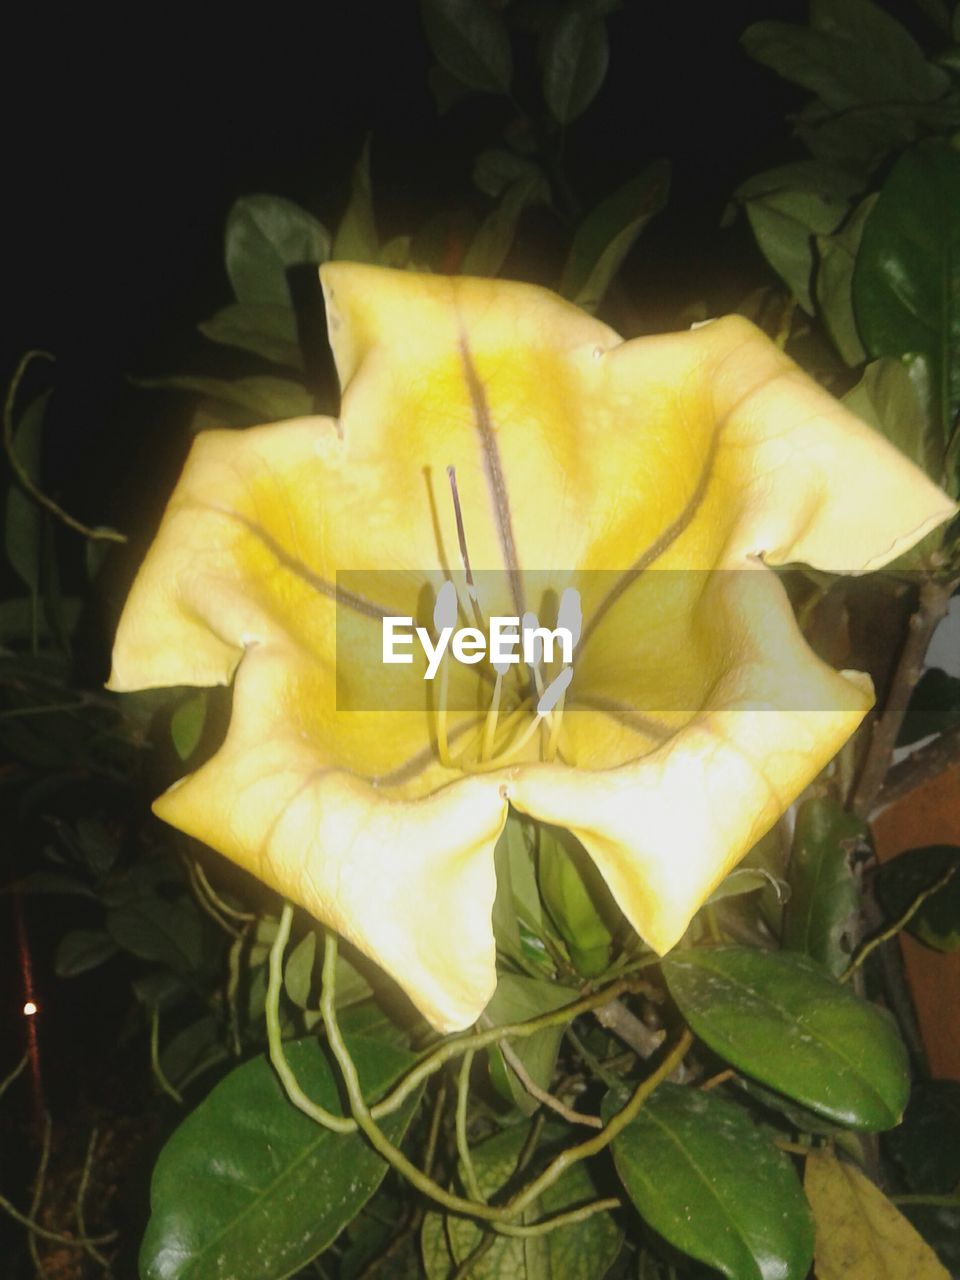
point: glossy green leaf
(574, 55)
(892, 397)
(906, 285)
(899, 881)
(824, 898)
(23, 516)
(186, 724)
(248, 1187)
(495, 236)
(82, 949)
(265, 330)
(268, 399)
(582, 1251)
(606, 235)
(517, 999)
(780, 1018)
(693, 1165)
(265, 236)
(836, 255)
(356, 239)
(470, 41)
(927, 1144)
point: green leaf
(898, 882)
(518, 999)
(152, 928)
(837, 255)
(496, 170)
(906, 284)
(518, 900)
(687, 1148)
(743, 880)
(194, 1050)
(82, 949)
(891, 397)
(842, 73)
(494, 237)
(780, 1018)
(186, 724)
(248, 1187)
(266, 235)
(298, 971)
(396, 252)
(860, 1234)
(267, 331)
(356, 239)
(470, 41)
(824, 897)
(877, 40)
(574, 54)
(927, 1143)
(582, 1251)
(268, 399)
(446, 89)
(785, 223)
(23, 516)
(607, 234)
(53, 882)
(21, 619)
(578, 901)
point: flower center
(538, 699)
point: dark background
(127, 141)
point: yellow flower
(696, 713)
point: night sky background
(127, 141)
(126, 144)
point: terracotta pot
(930, 814)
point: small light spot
(29, 1009)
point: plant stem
(500, 1217)
(891, 932)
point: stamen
(552, 701)
(510, 751)
(462, 539)
(444, 615)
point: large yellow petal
(409, 882)
(696, 713)
(664, 829)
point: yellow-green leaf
(860, 1234)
